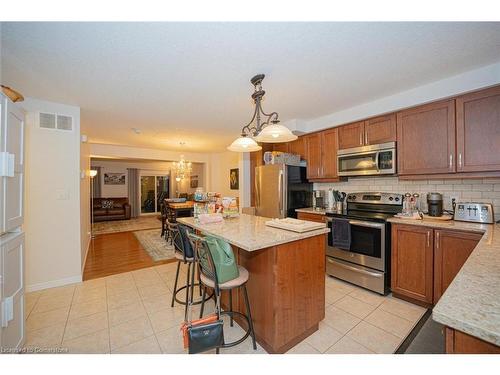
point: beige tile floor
(131, 313)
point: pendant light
(268, 131)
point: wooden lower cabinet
(412, 262)
(425, 261)
(457, 342)
(451, 250)
(311, 217)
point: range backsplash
(485, 190)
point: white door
(12, 139)
(12, 290)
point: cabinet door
(281, 147)
(426, 139)
(298, 147)
(412, 262)
(311, 217)
(351, 135)
(380, 129)
(451, 250)
(478, 131)
(329, 153)
(313, 150)
(13, 192)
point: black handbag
(203, 334)
(205, 337)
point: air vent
(47, 120)
(64, 122)
(56, 122)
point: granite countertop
(471, 303)
(250, 232)
(310, 210)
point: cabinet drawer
(311, 217)
(13, 334)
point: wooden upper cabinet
(351, 135)
(313, 155)
(451, 250)
(412, 262)
(329, 153)
(478, 131)
(298, 147)
(380, 130)
(282, 147)
(426, 139)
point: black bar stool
(208, 276)
(184, 253)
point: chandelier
(263, 127)
(182, 169)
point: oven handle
(366, 224)
(355, 269)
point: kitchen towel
(341, 233)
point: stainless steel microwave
(367, 160)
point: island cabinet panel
(313, 152)
(412, 262)
(351, 135)
(380, 130)
(457, 342)
(478, 131)
(286, 289)
(451, 250)
(298, 147)
(311, 217)
(426, 139)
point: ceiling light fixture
(182, 169)
(268, 131)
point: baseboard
(54, 283)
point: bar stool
(208, 276)
(184, 253)
(171, 221)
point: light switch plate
(62, 194)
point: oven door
(367, 244)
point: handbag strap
(188, 310)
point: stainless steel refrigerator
(280, 189)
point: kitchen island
(286, 287)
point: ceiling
(189, 82)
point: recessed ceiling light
(136, 131)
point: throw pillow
(106, 204)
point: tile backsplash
(486, 190)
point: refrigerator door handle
(280, 193)
(257, 186)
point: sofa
(111, 209)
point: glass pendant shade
(275, 133)
(244, 144)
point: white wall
(221, 164)
(53, 230)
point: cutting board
(444, 217)
(294, 225)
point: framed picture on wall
(114, 178)
(234, 179)
(193, 182)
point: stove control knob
(396, 199)
(391, 198)
(353, 197)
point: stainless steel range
(359, 242)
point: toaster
(474, 212)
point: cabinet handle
(317, 172)
(451, 161)
(437, 240)
(361, 139)
(460, 160)
(428, 239)
(366, 138)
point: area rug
(155, 245)
(115, 226)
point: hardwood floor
(114, 253)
